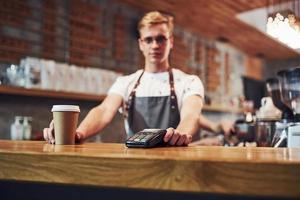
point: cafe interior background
(71, 51)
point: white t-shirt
(157, 84)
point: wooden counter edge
(251, 179)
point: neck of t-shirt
(157, 69)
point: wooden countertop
(219, 170)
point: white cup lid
(68, 108)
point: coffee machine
(283, 131)
(280, 135)
(290, 95)
(273, 88)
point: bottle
(27, 129)
(16, 129)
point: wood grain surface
(20, 91)
(221, 170)
(49, 93)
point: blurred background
(71, 51)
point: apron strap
(131, 96)
(172, 87)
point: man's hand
(49, 133)
(227, 127)
(175, 138)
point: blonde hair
(155, 17)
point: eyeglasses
(161, 39)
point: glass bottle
(16, 129)
(27, 129)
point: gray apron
(151, 112)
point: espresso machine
(290, 96)
(283, 131)
(280, 134)
(273, 88)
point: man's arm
(224, 126)
(208, 125)
(99, 116)
(188, 124)
(189, 115)
(95, 120)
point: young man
(155, 97)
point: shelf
(220, 108)
(49, 93)
(88, 97)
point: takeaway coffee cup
(65, 123)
